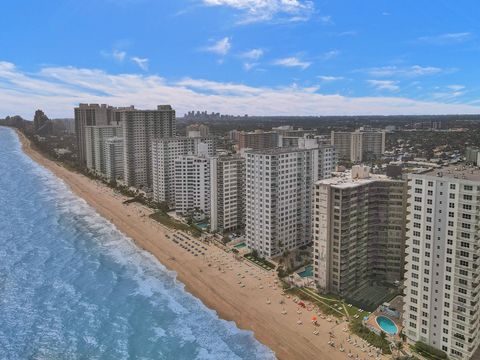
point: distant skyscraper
(198, 130)
(164, 153)
(359, 145)
(95, 145)
(359, 232)
(258, 140)
(140, 129)
(90, 115)
(442, 282)
(227, 193)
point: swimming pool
(387, 325)
(307, 272)
(203, 226)
(240, 246)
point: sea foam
(74, 287)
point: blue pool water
(241, 245)
(307, 272)
(73, 287)
(387, 325)
(203, 226)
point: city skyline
(270, 57)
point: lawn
(169, 222)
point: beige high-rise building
(140, 129)
(95, 145)
(92, 115)
(114, 158)
(227, 193)
(442, 272)
(360, 145)
(359, 232)
(258, 140)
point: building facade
(227, 193)
(114, 158)
(257, 140)
(92, 115)
(442, 262)
(360, 145)
(359, 232)
(279, 198)
(164, 153)
(140, 129)
(192, 185)
(95, 145)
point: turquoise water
(307, 272)
(73, 287)
(240, 246)
(387, 325)
(203, 226)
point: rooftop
(361, 176)
(276, 151)
(456, 171)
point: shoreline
(251, 300)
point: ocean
(73, 287)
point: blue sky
(265, 57)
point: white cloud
(411, 71)
(117, 55)
(456, 87)
(292, 62)
(326, 19)
(221, 47)
(327, 78)
(249, 65)
(266, 10)
(389, 85)
(449, 38)
(141, 62)
(330, 55)
(253, 54)
(57, 90)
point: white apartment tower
(92, 115)
(164, 153)
(442, 261)
(227, 193)
(140, 129)
(192, 185)
(279, 198)
(95, 145)
(114, 158)
(359, 232)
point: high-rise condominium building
(359, 145)
(114, 158)
(140, 129)
(198, 130)
(258, 140)
(192, 185)
(95, 145)
(227, 193)
(442, 262)
(164, 153)
(359, 232)
(279, 198)
(92, 115)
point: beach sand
(246, 303)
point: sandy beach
(237, 290)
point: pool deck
(371, 323)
